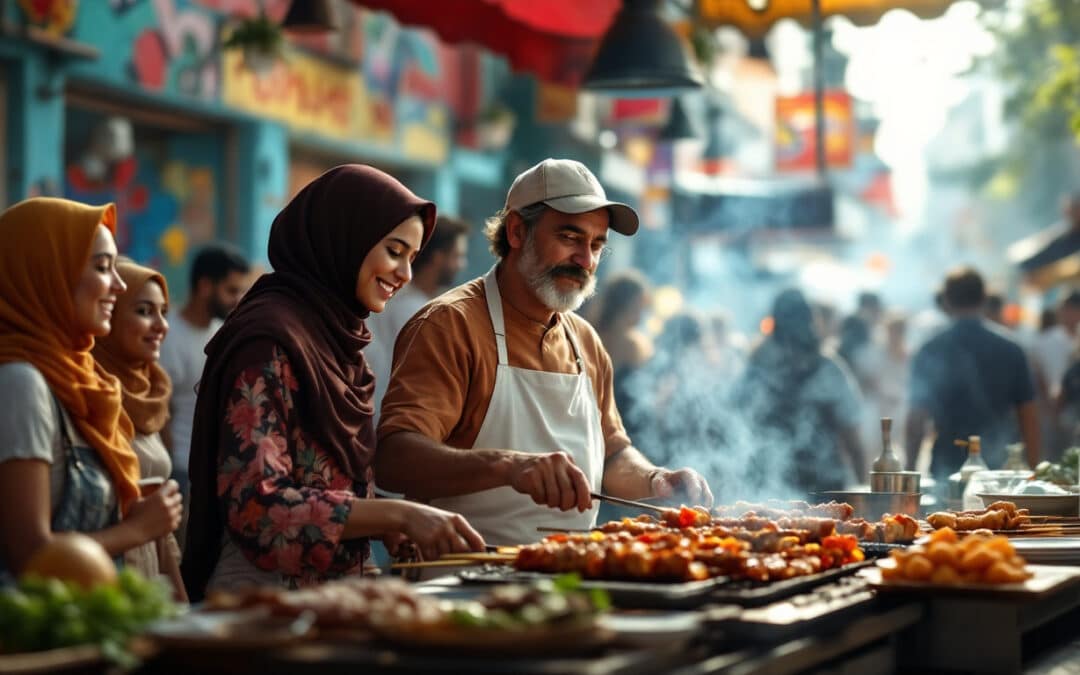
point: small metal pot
(872, 505)
(906, 482)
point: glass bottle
(1016, 460)
(959, 480)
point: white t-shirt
(1052, 352)
(384, 329)
(29, 427)
(183, 359)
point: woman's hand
(434, 531)
(158, 514)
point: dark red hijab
(307, 306)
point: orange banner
(795, 139)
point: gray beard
(543, 282)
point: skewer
(434, 563)
(480, 557)
(627, 502)
(566, 530)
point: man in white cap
(500, 400)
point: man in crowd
(435, 268)
(971, 379)
(501, 396)
(218, 278)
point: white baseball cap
(568, 186)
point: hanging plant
(260, 39)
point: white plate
(1038, 505)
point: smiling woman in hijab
(130, 352)
(283, 435)
(66, 463)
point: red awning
(552, 39)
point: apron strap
(494, 303)
(574, 345)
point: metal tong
(627, 502)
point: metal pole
(819, 88)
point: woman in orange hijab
(130, 352)
(66, 462)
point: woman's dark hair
(623, 289)
(793, 322)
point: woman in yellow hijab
(130, 352)
(66, 461)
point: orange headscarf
(147, 388)
(47, 243)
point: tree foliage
(1040, 58)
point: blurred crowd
(797, 407)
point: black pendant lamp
(310, 17)
(679, 126)
(716, 147)
(641, 55)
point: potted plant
(260, 40)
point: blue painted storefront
(208, 164)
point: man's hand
(551, 479)
(687, 483)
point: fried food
(948, 559)
(998, 516)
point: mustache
(573, 271)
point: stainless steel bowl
(872, 505)
(906, 482)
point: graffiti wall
(384, 85)
(165, 187)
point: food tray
(624, 594)
(757, 593)
(1047, 580)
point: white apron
(538, 412)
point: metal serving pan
(871, 505)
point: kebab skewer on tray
(897, 528)
(685, 555)
(998, 516)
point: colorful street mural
(383, 85)
(164, 207)
(397, 98)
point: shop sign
(795, 139)
(307, 95)
(310, 95)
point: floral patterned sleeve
(286, 501)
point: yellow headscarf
(146, 388)
(46, 245)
